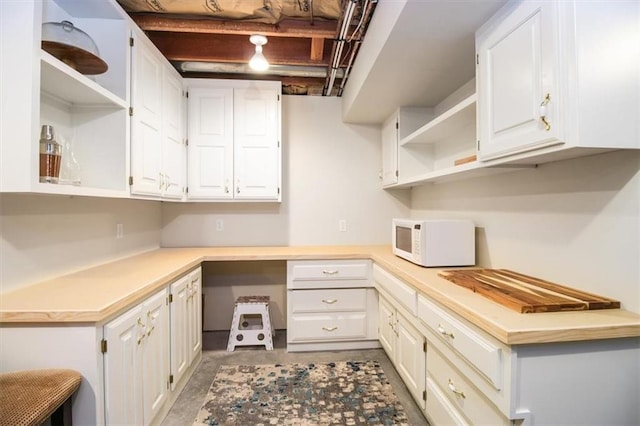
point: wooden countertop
(98, 294)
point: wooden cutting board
(526, 294)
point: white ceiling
(415, 53)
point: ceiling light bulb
(258, 62)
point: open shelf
(65, 83)
(445, 124)
(473, 169)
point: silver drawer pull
(329, 328)
(331, 272)
(453, 389)
(444, 332)
(329, 301)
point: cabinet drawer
(329, 300)
(462, 395)
(485, 356)
(439, 409)
(315, 274)
(307, 327)
(403, 293)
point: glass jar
(70, 170)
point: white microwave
(435, 242)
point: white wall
(574, 222)
(45, 236)
(330, 172)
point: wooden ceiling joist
(238, 49)
(287, 28)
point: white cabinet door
(136, 363)
(123, 369)
(386, 325)
(158, 151)
(174, 150)
(155, 358)
(194, 315)
(411, 357)
(234, 140)
(390, 151)
(186, 324)
(180, 356)
(146, 123)
(256, 144)
(210, 151)
(405, 346)
(518, 94)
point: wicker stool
(251, 324)
(31, 397)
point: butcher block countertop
(98, 294)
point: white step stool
(251, 324)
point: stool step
(251, 324)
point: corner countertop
(96, 295)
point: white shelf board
(462, 114)
(63, 82)
(52, 188)
(464, 171)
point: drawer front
(310, 327)
(485, 356)
(340, 274)
(402, 292)
(462, 395)
(439, 410)
(329, 300)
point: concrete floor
(214, 354)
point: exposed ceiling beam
(236, 48)
(286, 28)
(317, 49)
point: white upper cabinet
(234, 148)
(518, 86)
(158, 151)
(256, 143)
(210, 151)
(88, 111)
(558, 79)
(146, 122)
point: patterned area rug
(334, 393)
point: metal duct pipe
(241, 68)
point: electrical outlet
(342, 225)
(119, 231)
(219, 225)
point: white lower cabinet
(443, 383)
(470, 377)
(405, 346)
(465, 401)
(330, 305)
(186, 324)
(136, 362)
(149, 351)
